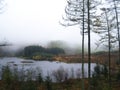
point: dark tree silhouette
(82, 12)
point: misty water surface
(45, 67)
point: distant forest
(39, 52)
(34, 52)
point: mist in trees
(18, 50)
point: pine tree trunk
(118, 29)
(89, 44)
(109, 49)
(83, 86)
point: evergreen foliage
(39, 52)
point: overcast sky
(36, 21)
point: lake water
(46, 67)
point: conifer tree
(82, 13)
(107, 33)
(115, 7)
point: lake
(51, 68)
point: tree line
(39, 52)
